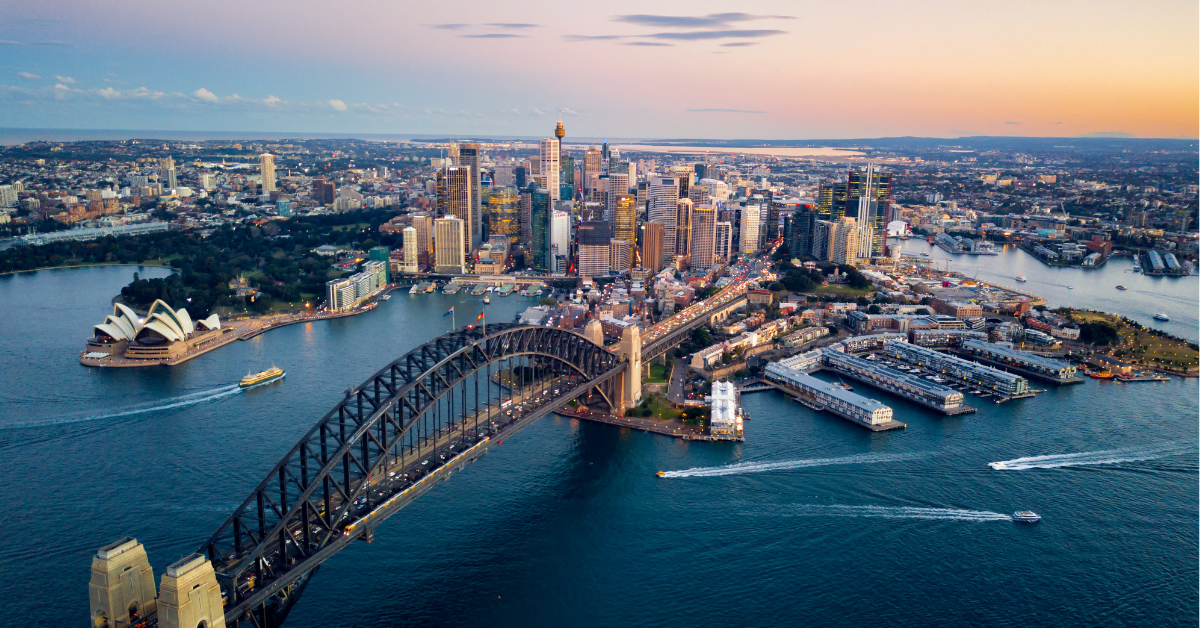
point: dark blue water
(821, 522)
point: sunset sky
(772, 70)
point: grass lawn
(843, 290)
(1141, 345)
(657, 373)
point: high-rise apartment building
(748, 233)
(625, 217)
(504, 212)
(469, 157)
(723, 242)
(412, 251)
(683, 231)
(449, 237)
(664, 210)
(823, 234)
(653, 234)
(845, 242)
(594, 240)
(560, 241)
(539, 227)
(703, 238)
(266, 169)
(549, 158)
(798, 236)
(166, 173)
(455, 195)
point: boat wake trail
(759, 467)
(190, 399)
(898, 512)
(1110, 456)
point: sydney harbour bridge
(408, 427)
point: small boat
(1161, 316)
(486, 299)
(1101, 375)
(1121, 288)
(384, 297)
(661, 474)
(1070, 287)
(264, 377)
(1021, 278)
(1026, 516)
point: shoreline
(97, 265)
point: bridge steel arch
(306, 508)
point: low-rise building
(725, 421)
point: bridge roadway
(670, 331)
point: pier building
(1049, 369)
(911, 387)
(955, 368)
(945, 337)
(822, 395)
(725, 422)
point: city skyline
(774, 70)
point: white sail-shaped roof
(164, 310)
(185, 321)
(111, 330)
(128, 328)
(120, 309)
(160, 327)
(210, 323)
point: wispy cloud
(29, 76)
(512, 25)
(538, 112)
(9, 42)
(52, 42)
(738, 44)
(338, 105)
(720, 110)
(1011, 122)
(449, 27)
(592, 37)
(721, 34)
(493, 36)
(65, 79)
(700, 21)
(646, 43)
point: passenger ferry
(486, 299)
(1026, 516)
(254, 379)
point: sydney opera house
(163, 334)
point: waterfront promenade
(670, 427)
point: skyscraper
(748, 234)
(868, 200)
(823, 234)
(799, 235)
(704, 237)
(592, 167)
(664, 210)
(653, 234)
(539, 227)
(450, 241)
(550, 164)
(723, 242)
(423, 223)
(617, 184)
(266, 168)
(468, 157)
(525, 207)
(454, 191)
(683, 231)
(504, 212)
(773, 209)
(166, 172)
(683, 175)
(625, 217)
(560, 241)
(618, 255)
(825, 204)
(594, 240)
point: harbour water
(1093, 289)
(811, 521)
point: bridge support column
(631, 380)
(594, 332)
(121, 590)
(191, 597)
